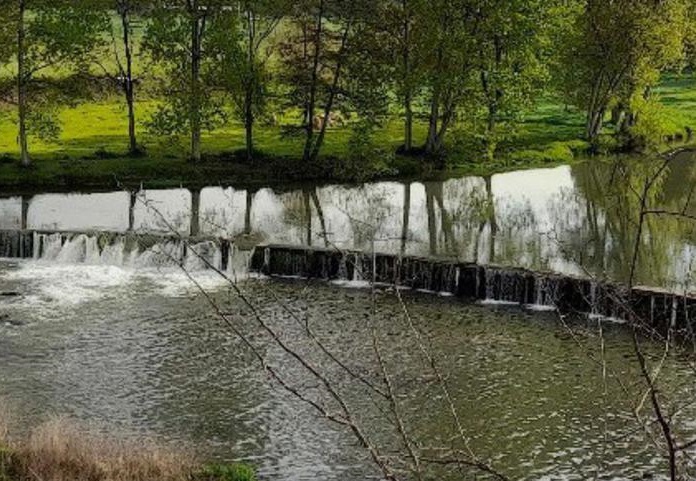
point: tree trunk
(432, 219)
(195, 226)
(195, 113)
(308, 215)
(249, 127)
(493, 223)
(494, 96)
(406, 217)
(309, 114)
(595, 121)
(22, 88)
(249, 88)
(320, 214)
(408, 94)
(128, 87)
(431, 142)
(332, 96)
(130, 100)
(247, 212)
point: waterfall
(124, 250)
(50, 246)
(73, 251)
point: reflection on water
(144, 357)
(576, 220)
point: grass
(89, 151)
(59, 450)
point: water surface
(577, 220)
(139, 352)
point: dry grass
(59, 450)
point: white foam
(63, 284)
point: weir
(124, 249)
(659, 309)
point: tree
(402, 20)
(512, 39)
(121, 48)
(55, 34)
(616, 52)
(242, 48)
(690, 37)
(451, 25)
(177, 38)
(314, 58)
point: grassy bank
(60, 451)
(89, 151)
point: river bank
(80, 175)
(89, 152)
(60, 450)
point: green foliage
(554, 153)
(513, 44)
(476, 74)
(366, 159)
(616, 52)
(228, 472)
(63, 33)
(173, 117)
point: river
(130, 344)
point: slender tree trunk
(22, 87)
(492, 221)
(432, 219)
(320, 214)
(195, 113)
(195, 227)
(432, 145)
(128, 87)
(406, 217)
(249, 130)
(247, 211)
(308, 215)
(431, 142)
(595, 119)
(309, 141)
(408, 94)
(332, 96)
(250, 83)
(493, 96)
(408, 122)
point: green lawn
(90, 149)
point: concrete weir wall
(658, 309)
(16, 244)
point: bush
(365, 159)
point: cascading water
(126, 250)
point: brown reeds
(60, 450)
